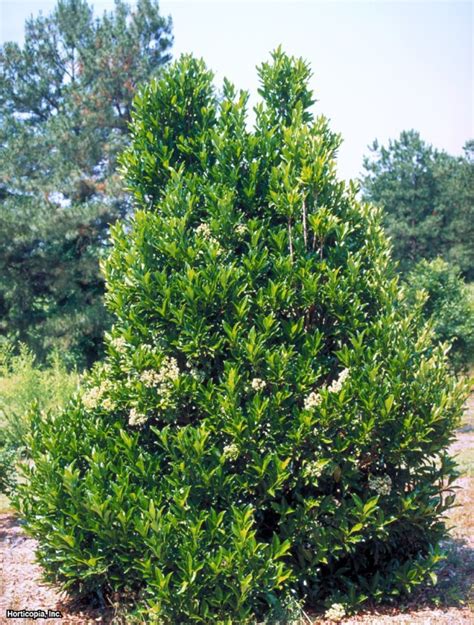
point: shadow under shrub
(270, 423)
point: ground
(451, 602)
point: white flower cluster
(169, 371)
(314, 398)
(231, 451)
(136, 418)
(336, 612)
(169, 368)
(162, 380)
(240, 230)
(91, 398)
(382, 484)
(119, 343)
(150, 378)
(313, 469)
(257, 384)
(204, 231)
(94, 397)
(336, 384)
(108, 404)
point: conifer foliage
(65, 102)
(427, 197)
(270, 424)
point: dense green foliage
(448, 305)
(65, 100)
(427, 198)
(270, 423)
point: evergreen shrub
(270, 423)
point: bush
(270, 424)
(7, 465)
(23, 382)
(448, 305)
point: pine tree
(65, 104)
(427, 198)
(271, 421)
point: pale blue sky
(379, 67)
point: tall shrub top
(248, 251)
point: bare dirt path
(21, 587)
(20, 580)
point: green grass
(22, 382)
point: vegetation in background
(270, 424)
(23, 384)
(427, 198)
(65, 102)
(448, 305)
(8, 458)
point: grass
(23, 382)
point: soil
(20, 581)
(450, 603)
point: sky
(379, 67)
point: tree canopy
(427, 197)
(65, 104)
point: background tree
(428, 200)
(448, 305)
(65, 103)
